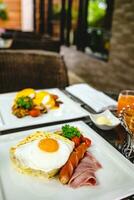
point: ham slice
(84, 173)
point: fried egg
(26, 92)
(44, 98)
(46, 154)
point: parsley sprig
(24, 102)
(70, 131)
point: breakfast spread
(38, 155)
(30, 102)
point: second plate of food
(29, 107)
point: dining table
(116, 137)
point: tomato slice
(34, 112)
(87, 141)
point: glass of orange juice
(126, 98)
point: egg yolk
(40, 96)
(45, 98)
(26, 92)
(48, 145)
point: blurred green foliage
(97, 10)
(3, 11)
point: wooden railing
(45, 22)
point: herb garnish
(70, 131)
(24, 102)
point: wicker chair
(35, 44)
(9, 33)
(31, 41)
(36, 69)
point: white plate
(116, 178)
(68, 110)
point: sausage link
(75, 157)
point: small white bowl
(105, 120)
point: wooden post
(79, 26)
(63, 21)
(69, 22)
(34, 14)
(49, 17)
(85, 23)
(109, 14)
(81, 35)
(42, 17)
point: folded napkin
(95, 99)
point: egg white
(30, 155)
(46, 101)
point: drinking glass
(126, 98)
(126, 113)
